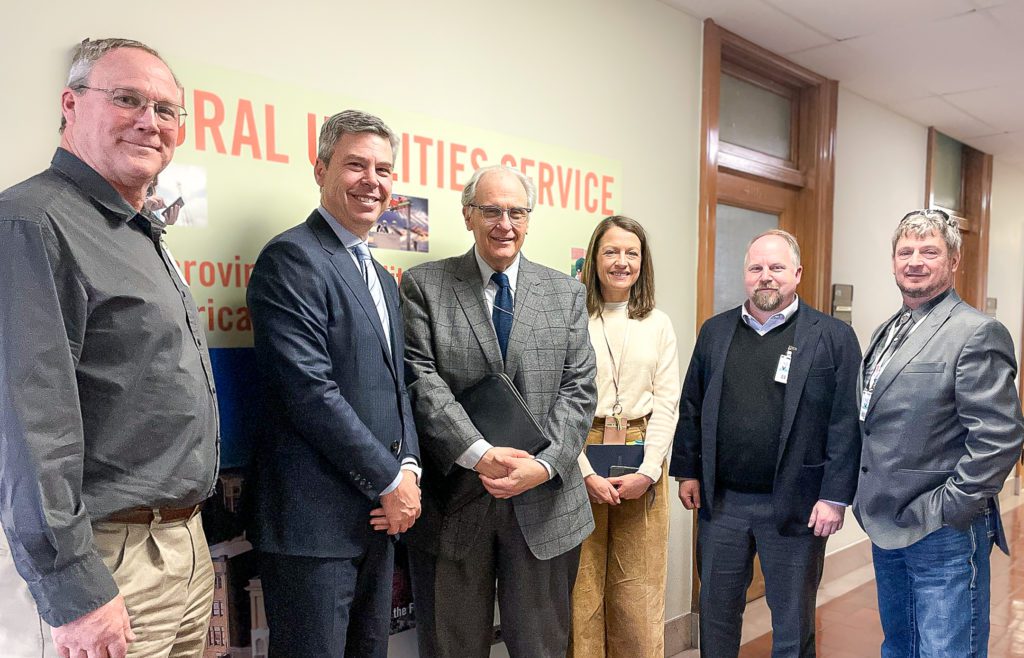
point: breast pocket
(820, 383)
(925, 367)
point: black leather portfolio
(622, 458)
(500, 413)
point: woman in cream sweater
(619, 596)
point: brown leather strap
(146, 515)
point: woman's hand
(601, 490)
(631, 486)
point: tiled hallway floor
(848, 625)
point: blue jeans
(933, 596)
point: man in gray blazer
(942, 428)
(492, 311)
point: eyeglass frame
(149, 102)
(503, 212)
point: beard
(927, 291)
(767, 300)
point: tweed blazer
(450, 345)
(943, 427)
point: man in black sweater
(767, 449)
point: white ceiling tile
(843, 20)
(1001, 106)
(1009, 16)
(755, 21)
(945, 56)
(1009, 145)
(935, 111)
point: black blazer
(819, 452)
(337, 416)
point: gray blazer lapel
(808, 330)
(876, 337)
(529, 289)
(469, 291)
(913, 345)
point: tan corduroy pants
(166, 577)
(618, 603)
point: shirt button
(863, 469)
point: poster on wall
(243, 173)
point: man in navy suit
(336, 471)
(767, 448)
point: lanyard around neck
(616, 365)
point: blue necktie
(366, 268)
(502, 313)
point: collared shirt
(475, 452)
(107, 397)
(776, 320)
(917, 316)
(350, 241)
(490, 287)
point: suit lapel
(394, 316)
(872, 345)
(469, 291)
(807, 334)
(529, 290)
(913, 345)
(353, 280)
(716, 365)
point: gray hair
(469, 192)
(351, 121)
(794, 246)
(921, 223)
(90, 51)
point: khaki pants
(619, 597)
(165, 574)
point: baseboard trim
(679, 633)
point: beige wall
(614, 78)
(1006, 247)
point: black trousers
(329, 607)
(741, 525)
(455, 599)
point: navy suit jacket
(338, 418)
(819, 448)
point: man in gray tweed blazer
(491, 311)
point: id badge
(782, 370)
(615, 431)
(865, 400)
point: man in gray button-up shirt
(108, 415)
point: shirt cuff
(547, 467)
(410, 464)
(835, 503)
(394, 484)
(473, 454)
(78, 589)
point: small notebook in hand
(500, 414)
(606, 458)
